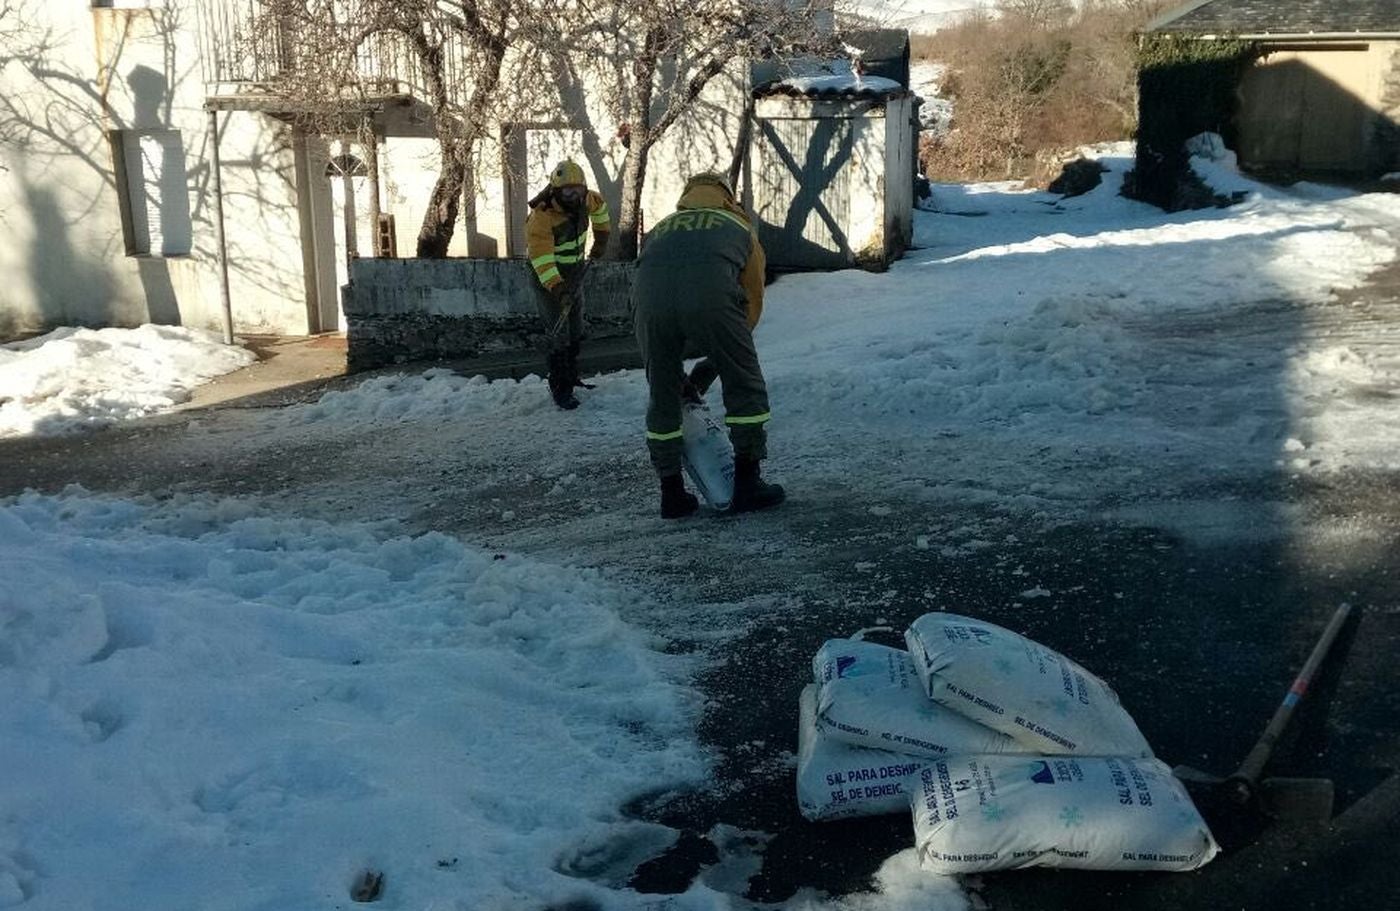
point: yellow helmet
(712, 178)
(567, 174)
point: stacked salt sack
(867, 730)
(1010, 754)
(1094, 799)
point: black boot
(751, 492)
(576, 381)
(676, 501)
(561, 381)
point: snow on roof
(842, 85)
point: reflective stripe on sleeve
(573, 243)
(549, 275)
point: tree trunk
(634, 168)
(629, 217)
(741, 147)
(440, 220)
(370, 143)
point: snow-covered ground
(243, 702)
(926, 80)
(71, 379)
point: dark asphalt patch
(1200, 641)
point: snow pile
(434, 393)
(72, 378)
(211, 708)
(926, 81)
(1039, 319)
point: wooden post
(347, 183)
(219, 239)
(371, 144)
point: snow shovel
(1285, 799)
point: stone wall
(402, 310)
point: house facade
(1324, 96)
(152, 170)
(110, 114)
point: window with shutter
(153, 191)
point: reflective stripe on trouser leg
(662, 345)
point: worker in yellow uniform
(699, 288)
(556, 232)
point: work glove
(600, 246)
(557, 294)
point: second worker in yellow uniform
(556, 233)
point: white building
(110, 116)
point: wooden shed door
(802, 190)
(1306, 109)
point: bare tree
(675, 49)
(1026, 83)
(1041, 13)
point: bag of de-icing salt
(978, 813)
(837, 781)
(1023, 689)
(707, 455)
(870, 695)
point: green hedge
(1186, 86)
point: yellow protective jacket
(709, 196)
(555, 238)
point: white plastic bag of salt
(1021, 688)
(870, 695)
(979, 813)
(836, 780)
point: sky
(217, 700)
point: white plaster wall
(408, 171)
(66, 258)
(702, 141)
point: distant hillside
(918, 16)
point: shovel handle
(569, 288)
(1246, 778)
